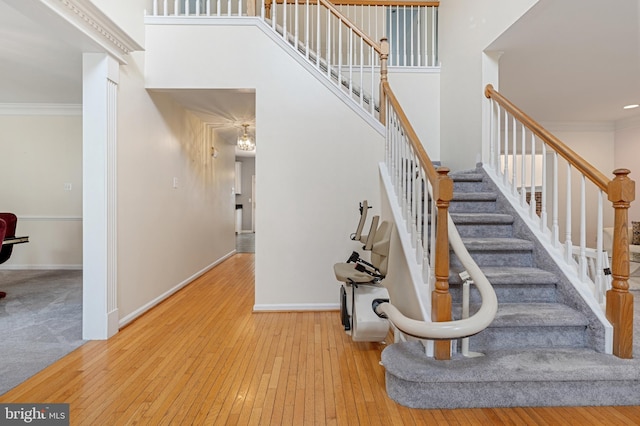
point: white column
(99, 106)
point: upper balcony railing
(410, 25)
(562, 196)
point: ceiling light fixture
(245, 142)
(631, 106)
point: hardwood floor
(202, 357)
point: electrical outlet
(67, 187)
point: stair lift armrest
(364, 207)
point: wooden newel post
(619, 301)
(384, 58)
(267, 9)
(440, 297)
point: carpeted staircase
(543, 347)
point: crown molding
(40, 109)
(92, 22)
(628, 123)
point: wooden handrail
(593, 174)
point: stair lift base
(358, 317)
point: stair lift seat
(361, 286)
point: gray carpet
(40, 321)
(246, 243)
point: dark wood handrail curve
(593, 174)
(621, 192)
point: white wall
(419, 96)
(41, 154)
(166, 235)
(316, 159)
(627, 156)
(466, 28)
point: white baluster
(318, 43)
(523, 174)
(543, 199)
(532, 201)
(306, 29)
(197, 7)
(176, 8)
(362, 44)
(284, 18)
(209, 8)
(600, 278)
(186, 8)
(339, 28)
(155, 8)
(491, 134)
(219, 10)
(295, 24)
(505, 167)
(568, 244)
(583, 229)
(350, 58)
(328, 44)
(413, 36)
(497, 137)
(514, 182)
(555, 227)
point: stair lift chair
(361, 285)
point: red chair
(3, 231)
(11, 221)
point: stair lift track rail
(450, 329)
(412, 172)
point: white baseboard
(41, 267)
(296, 307)
(135, 314)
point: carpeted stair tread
(481, 218)
(508, 275)
(466, 177)
(537, 315)
(497, 244)
(407, 361)
(474, 196)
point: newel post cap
(621, 188)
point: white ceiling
(569, 60)
(573, 60)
